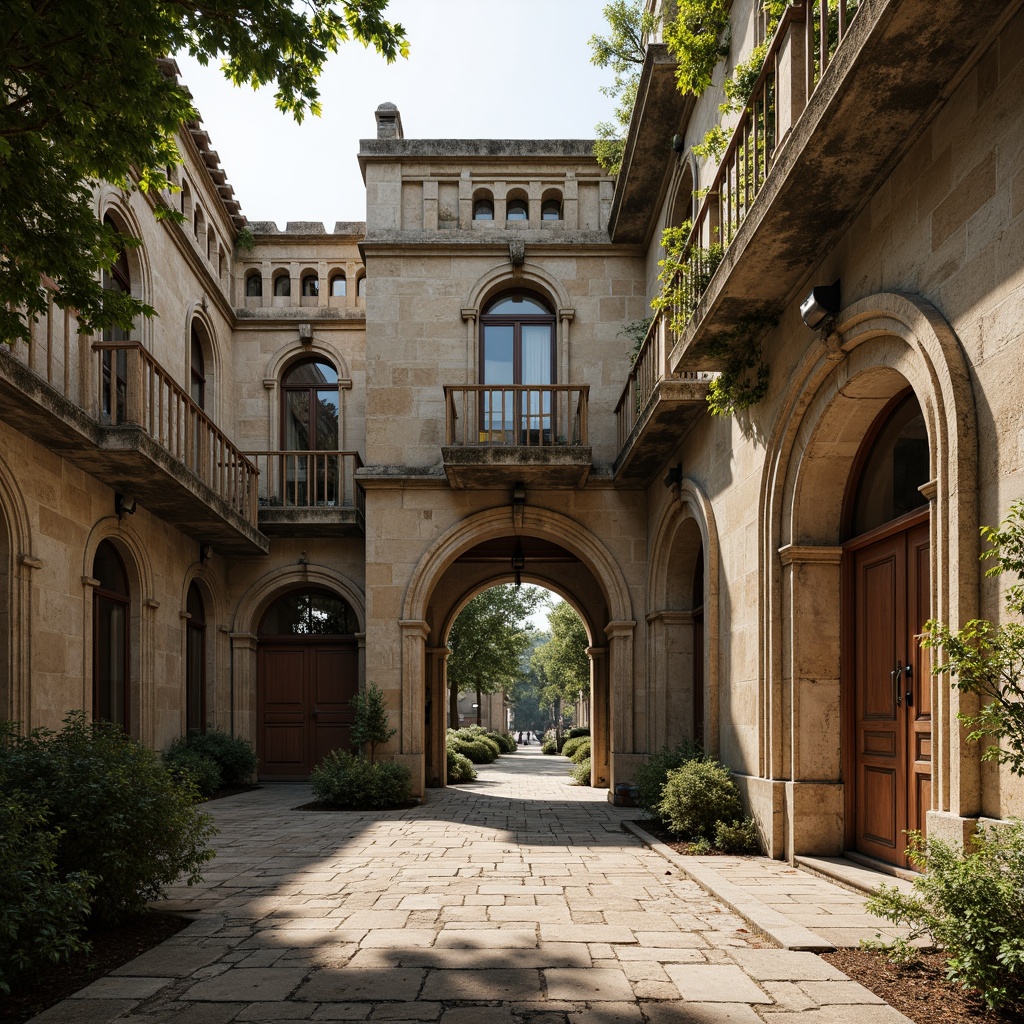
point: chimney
(389, 122)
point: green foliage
(562, 662)
(696, 797)
(636, 331)
(580, 772)
(715, 141)
(972, 905)
(120, 816)
(506, 744)
(576, 748)
(42, 913)
(744, 376)
(191, 767)
(652, 774)
(245, 241)
(475, 747)
(987, 659)
(693, 37)
(370, 725)
(579, 730)
(460, 768)
(739, 837)
(65, 124)
(235, 757)
(549, 745)
(348, 782)
(488, 640)
(623, 51)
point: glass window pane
(326, 438)
(483, 209)
(111, 660)
(536, 346)
(516, 210)
(195, 652)
(296, 424)
(301, 613)
(518, 305)
(312, 373)
(499, 367)
(338, 286)
(108, 569)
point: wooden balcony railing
(798, 55)
(527, 415)
(135, 390)
(649, 368)
(307, 480)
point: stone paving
(518, 899)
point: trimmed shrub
(651, 775)
(188, 765)
(348, 782)
(42, 915)
(235, 757)
(579, 730)
(548, 745)
(739, 837)
(506, 744)
(697, 796)
(460, 768)
(577, 748)
(971, 905)
(476, 750)
(581, 772)
(118, 813)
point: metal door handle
(896, 673)
(316, 711)
(909, 673)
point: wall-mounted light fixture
(518, 563)
(677, 143)
(820, 308)
(674, 476)
(124, 505)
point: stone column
(412, 699)
(469, 319)
(620, 684)
(244, 698)
(600, 759)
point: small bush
(972, 905)
(505, 742)
(460, 768)
(348, 782)
(548, 745)
(739, 837)
(577, 749)
(476, 750)
(235, 757)
(581, 772)
(42, 915)
(580, 730)
(697, 796)
(188, 765)
(120, 815)
(651, 775)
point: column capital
(470, 313)
(620, 628)
(414, 627)
(810, 554)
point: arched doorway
(307, 675)
(887, 677)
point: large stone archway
(441, 585)
(883, 345)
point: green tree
(370, 727)
(986, 659)
(88, 98)
(562, 662)
(487, 642)
(623, 51)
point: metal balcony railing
(527, 415)
(133, 389)
(308, 480)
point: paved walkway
(518, 899)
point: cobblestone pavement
(518, 899)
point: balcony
(656, 408)
(310, 494)
(499, 435)
(843, 93)
(112, 410)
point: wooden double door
(891, 694)
(305, 688)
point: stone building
(292, 480)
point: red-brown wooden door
(892, 692)
(305, 689)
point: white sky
(505, 69)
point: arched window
(199, 225)
(338, 284)
(114, 364)
(517, 209)
(111, 603)
(893, 466)
(551, 207)
(186, 200)
(195, 662)
(483, 209)
(197, 369)
(361, 286)
(311, 424)
(314, 612)
(310, 286)
(254, 284)
(211, 244)
(282, 285)
(517, 346)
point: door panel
(334, 682)
(918, 688)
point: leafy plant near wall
(743, 380)
(693, 38)
(245, 242)
(636, 331)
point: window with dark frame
(195, 661)
(111, 603)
